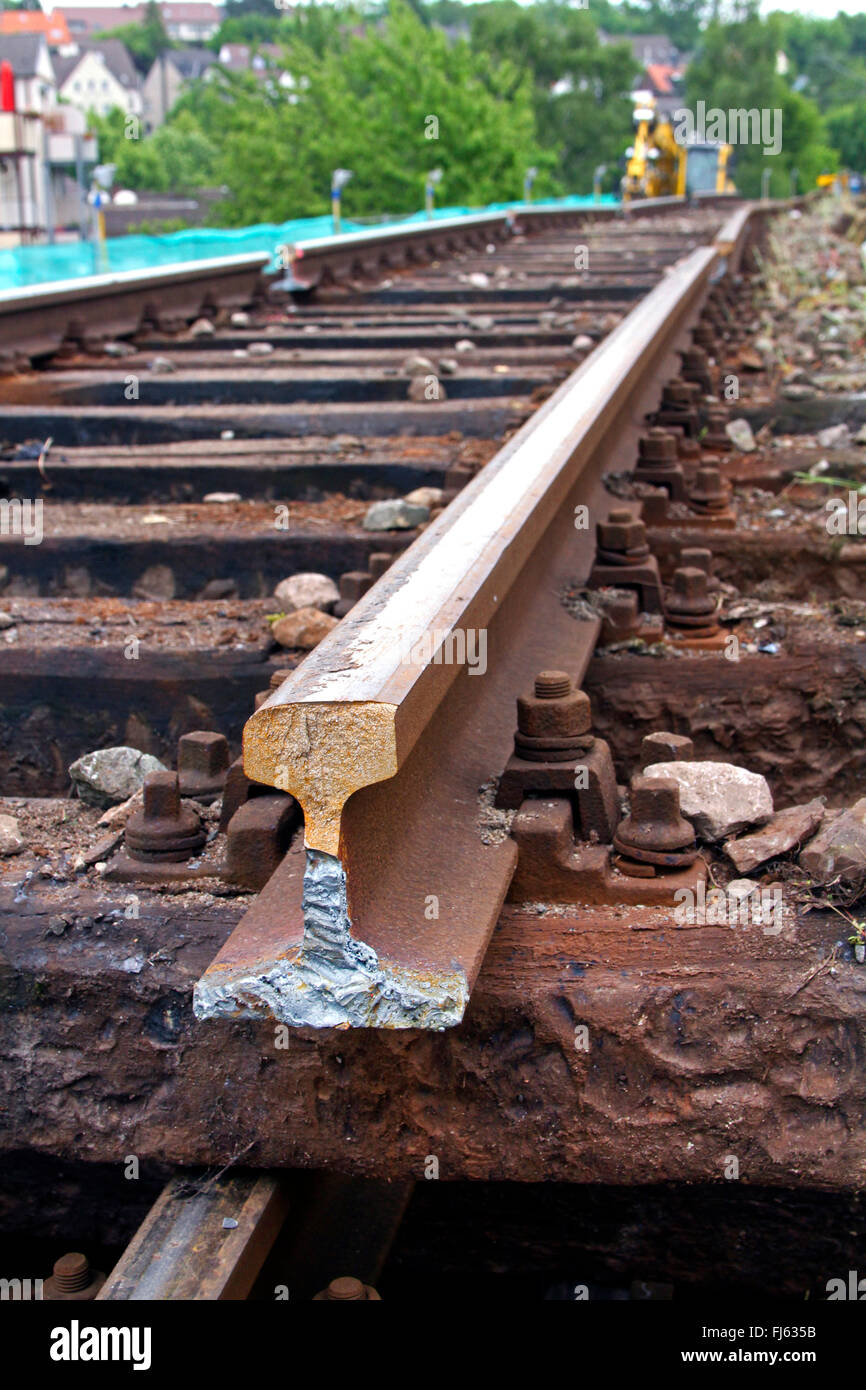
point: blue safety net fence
(37, 265)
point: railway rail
(311, 946)
(357, 734)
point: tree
(146, 40)
(580, 87)
(391, 103)
(736, 68)
(846, 126)
(176, 158)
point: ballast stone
(787, 830)
(395, 514)
(839, 848)
(303, 629)
(110, 775)
(307, 590)
(718, 798)
(11, 839)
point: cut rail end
(333, 980)
(321, 753)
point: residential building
(184, 22)
(169, 76)
(665, 81)
(101, 77)
(38, 142)
(648, 48)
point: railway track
(426, 843)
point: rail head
(56, 292)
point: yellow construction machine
(659, 166)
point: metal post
(339, 179)
(430, 188)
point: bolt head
(620, 534)
(654, 799)
(203, 751)
(696, 558)
(161, 796)
(690, 583)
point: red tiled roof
(52, 25)
(660, 75)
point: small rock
(482, 323)
(222, 497)
(833, 435)
(117, 816)
(740, 434)
(718, 798)
(157, 582)
(306, 591)
(751, 360)
(161, 366)
(219, 588)
(118, 349)
(418, 366)
(11, 839)
(786, 830)
(464, 345)
(6, 620)
(202, 328)
(583, 343)
(227, 434)
(478, 279)
(240, 319)
(839, 848)
(109, 775)
(741, 889)
(449, 366)
(425, 497)
(260, 349)
(396, 514)
(304, 628)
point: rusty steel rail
(389, 728)
(203, 1239)
(320, 259)
(35, 321)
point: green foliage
(734, 68)
(552, 45)
(364, 104)
(145, 41)
(846, 126)
(177, 158)
(247, 28)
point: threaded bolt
(552, 685)
(72, 1273)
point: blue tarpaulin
(37, 265)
